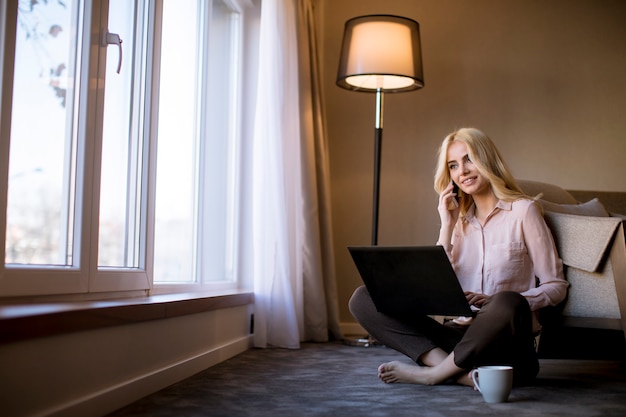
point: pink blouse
(513, 251)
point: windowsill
(27, 321)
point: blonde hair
(488, 161)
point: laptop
(411, 280)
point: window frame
(29, 280)
(103, 279)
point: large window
(119, 144)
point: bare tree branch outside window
(35, 23)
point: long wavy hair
(488, 161)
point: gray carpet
(332, 379)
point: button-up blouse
(513, 251)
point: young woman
(505, 258)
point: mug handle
(474, 374)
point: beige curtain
(320, 275)
(294, 282)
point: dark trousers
(500, 334)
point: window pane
(40, 208)
(120, 184)
(177, 160)
(220, 154)
(197, 143)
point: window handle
(109, 38)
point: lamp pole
(378, 143)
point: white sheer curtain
(294, 283)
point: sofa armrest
(594, 254)
(582, 241)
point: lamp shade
(381, 52)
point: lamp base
(360, 341)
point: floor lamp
(380, 54)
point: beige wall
(544, 78)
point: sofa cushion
(591, 208)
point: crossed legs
(443, 353)
(423, 339)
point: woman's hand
(478, 300)
(448, 216)
(448, 211)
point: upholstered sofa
(588, 230)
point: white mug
(493, 382)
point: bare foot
(401, 372)
(392, 372)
